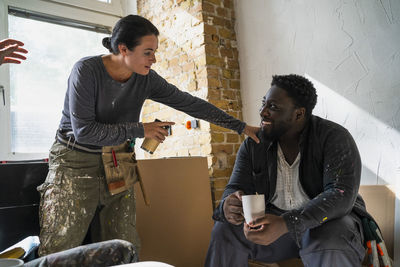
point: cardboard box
(176, 228)
(380, 202)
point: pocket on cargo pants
(49, 217)
(69, 198)
(66, 210)
(49, 191)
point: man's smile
(265, 122)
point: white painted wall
(350, 49)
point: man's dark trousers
(335, 243)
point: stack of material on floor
(22, 249)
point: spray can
(149, 144)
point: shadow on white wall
(378, 143)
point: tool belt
(121, 170)
(119, 167)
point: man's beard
(274, 131)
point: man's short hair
(300, 89)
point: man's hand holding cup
(233, 210)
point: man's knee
(226, 232)
(340, 235)
(228, 246)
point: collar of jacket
(270, 148)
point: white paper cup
(253, 207)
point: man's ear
(300, 113)
(122, 49)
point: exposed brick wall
(224, 86)
(197, 52)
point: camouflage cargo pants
(75, 196)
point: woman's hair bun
(107, 43)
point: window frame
(52, 8)
(113, 8)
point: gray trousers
(75, 196)
(334, 243)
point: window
(34, 90)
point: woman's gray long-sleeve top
(101, 111)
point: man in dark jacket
(309, 169)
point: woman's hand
(156, 130)
(8, 49)
(251, 132)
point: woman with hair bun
(102, 106)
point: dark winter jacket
(329, 172)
